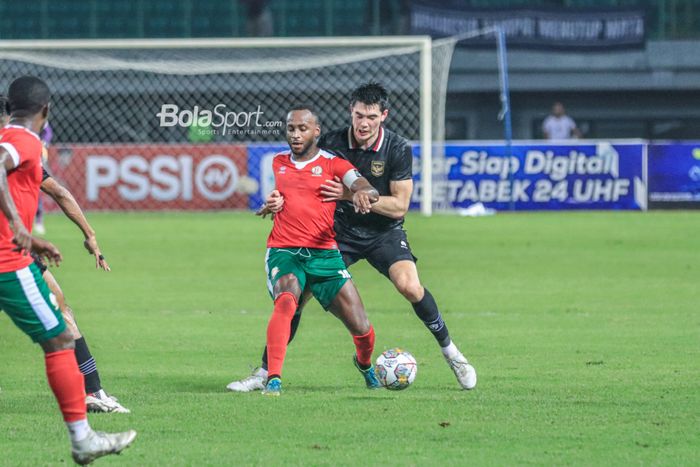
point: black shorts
(40, 264)
(381, 252)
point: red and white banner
(154, 177)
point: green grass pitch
(584, 329)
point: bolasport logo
(162, 178)
(219, 121)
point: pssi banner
(674, 174)
(154, 177)
(544, 176)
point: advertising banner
(260, 166)
(674, 174)
(533, 27)
(154, 177)
(538, 176)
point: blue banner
(674, 173)
(538, 177)
(260, 168)
(573, 29)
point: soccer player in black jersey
(386, 160)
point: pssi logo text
(162, 178)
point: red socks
(365, 346)
(67, 384)
(278, 330)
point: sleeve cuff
(13, 152)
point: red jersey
(24, 180)
(305, 220)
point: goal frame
(422, 43)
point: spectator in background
(558, 125)
(258, 18)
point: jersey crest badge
(377, 168)
(316, 171)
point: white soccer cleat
(465, 373)
(101, 402)
(254, 382)
(98, 444)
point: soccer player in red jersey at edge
(302, 252)
(97, 399)
(24, 295)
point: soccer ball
(396, 369)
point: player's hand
(21, 237)
(274, 201)
(334, 190)
(264, 211)
(363, 200)
(46, 250)
(91, 246)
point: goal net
(192, 124)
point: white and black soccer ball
(396, 369)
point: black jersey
(389, 159)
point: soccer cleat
(465, 373)
(273, 388)
(254, 382)
(369, 374)
(98, 444)
(101, 402)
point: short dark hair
(371, 93)
(28, 95)
(308, 107)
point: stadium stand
(225, 18)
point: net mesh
(193, 127)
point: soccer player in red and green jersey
(302, 251)
(24, 295)
(97, 399)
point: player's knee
(63, 341)
(288, 283)
(411, 289)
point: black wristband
(101, 257)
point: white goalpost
(108, 92)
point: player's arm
(575, 131)
(363, 193)
(72, 210)
(545, 130)
(396, 205)
(22, 237)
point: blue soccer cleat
(273, 387)
(370, 376)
